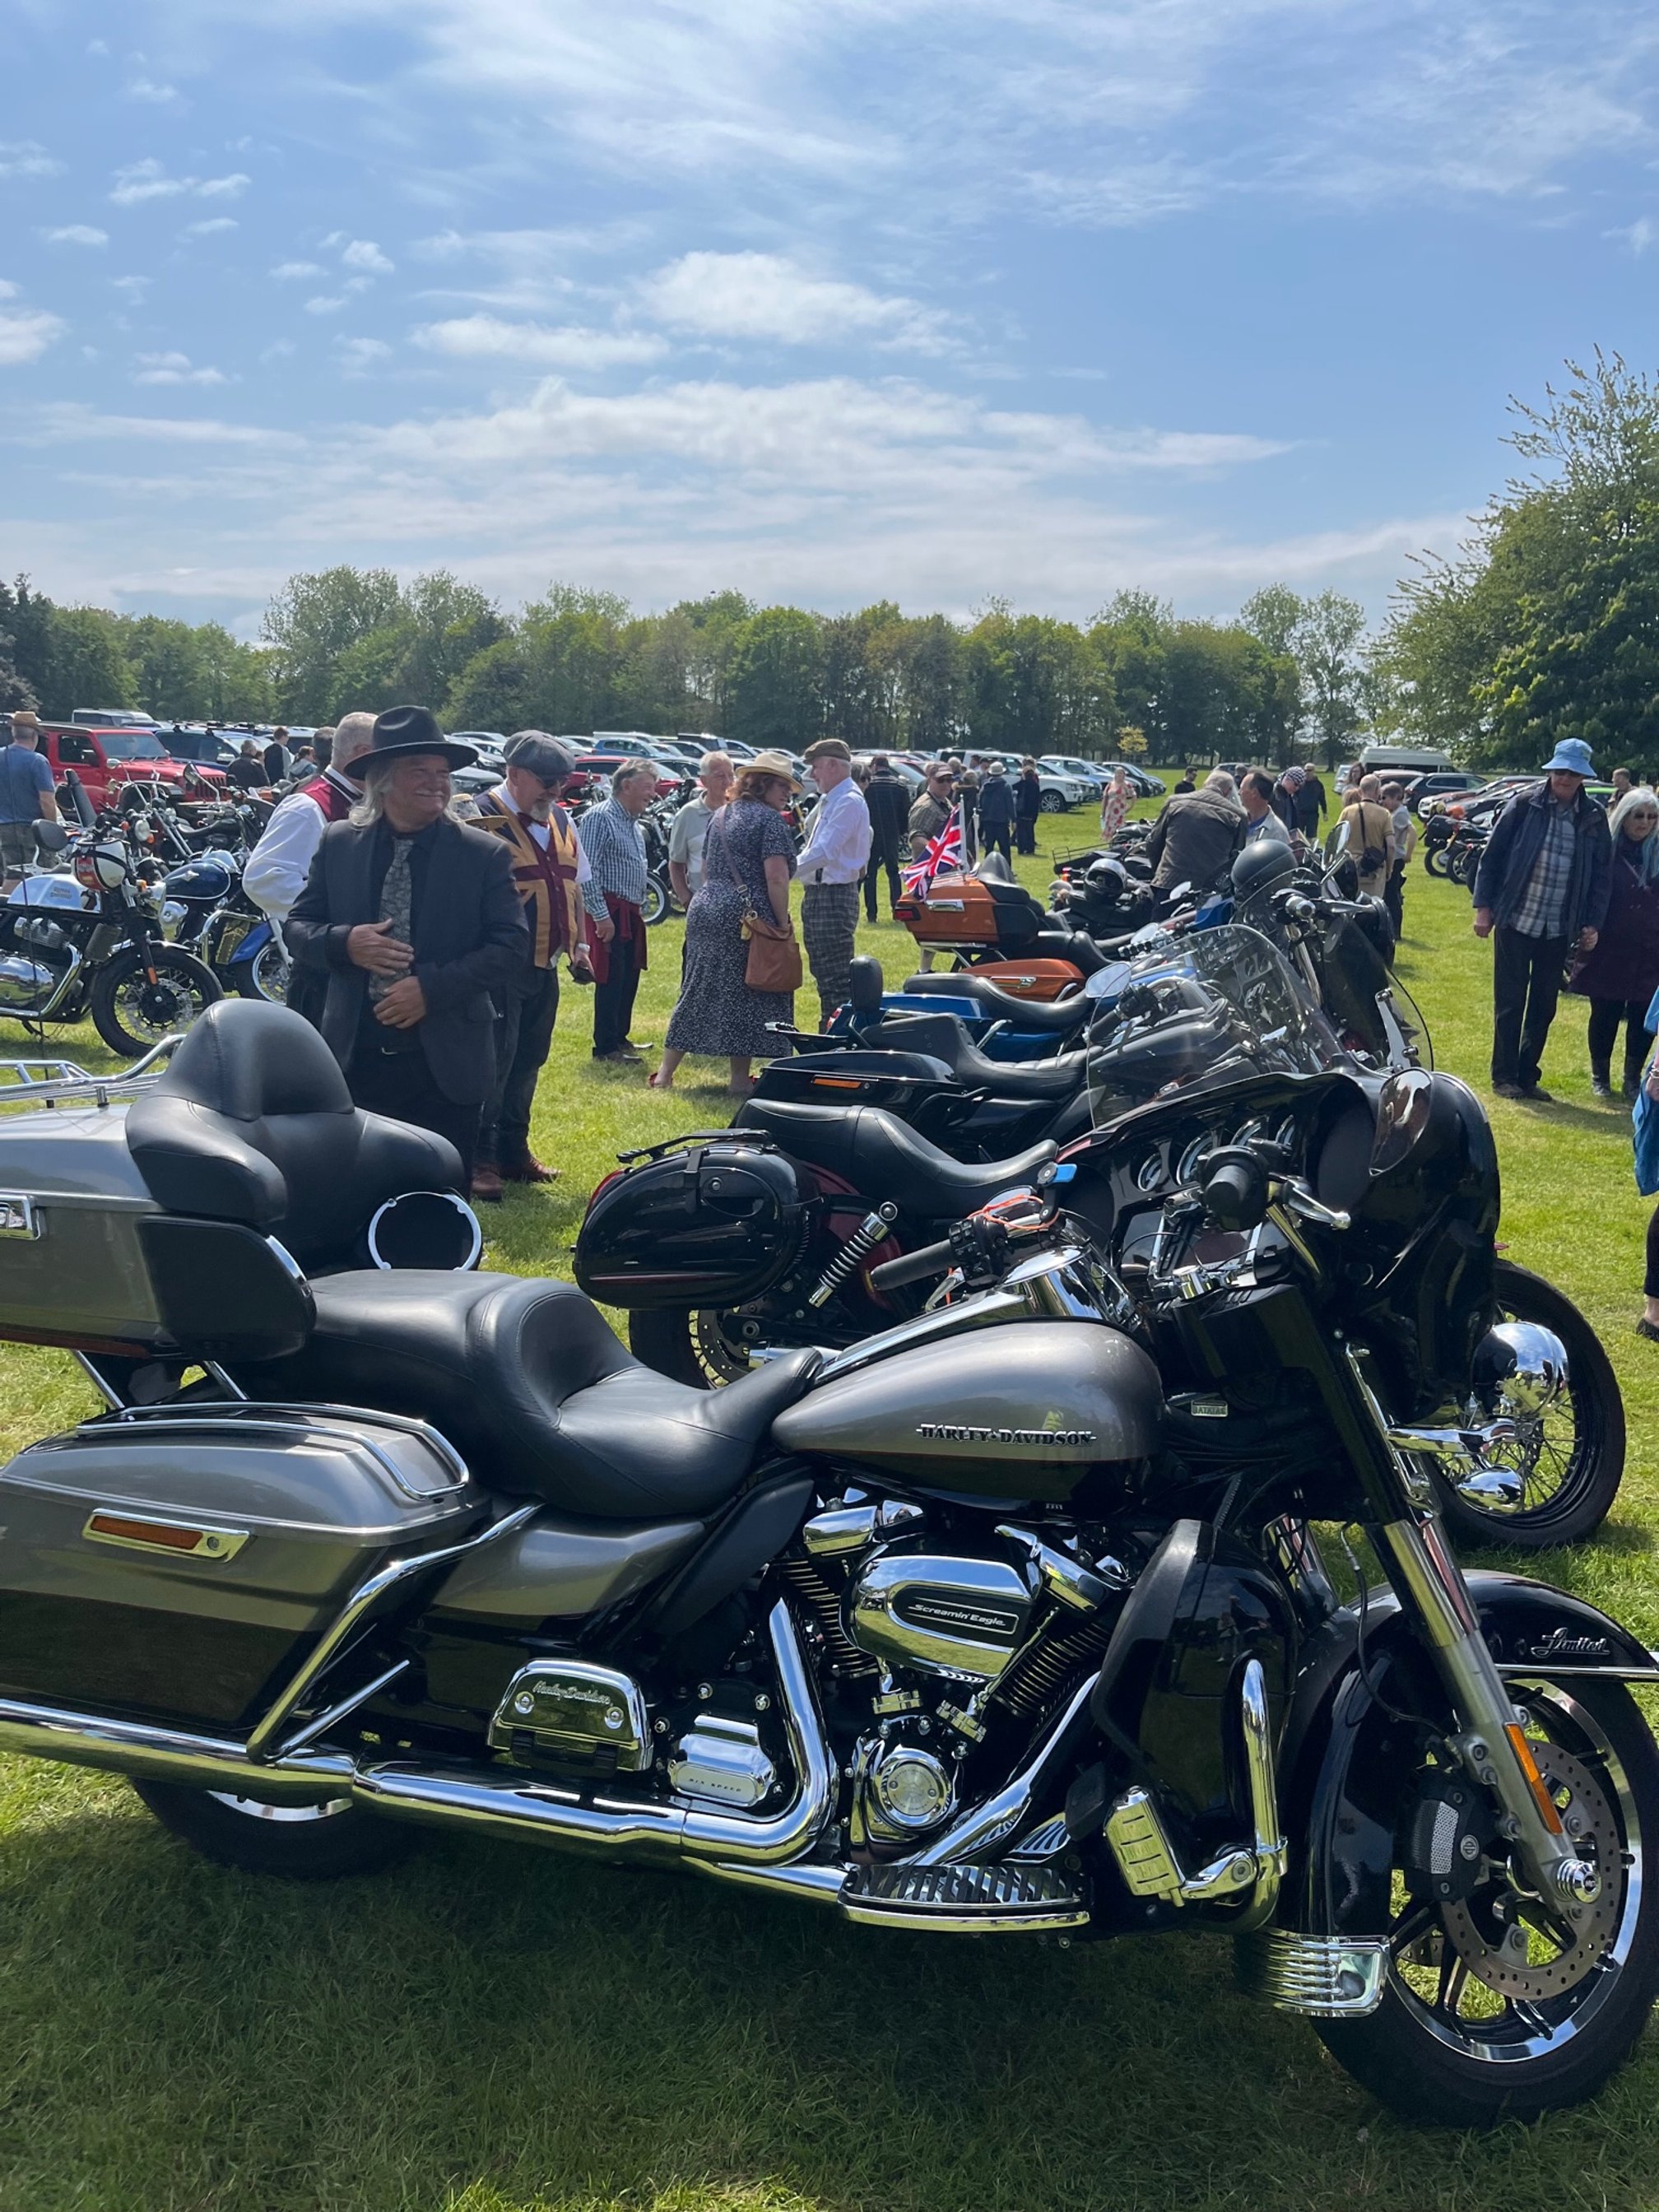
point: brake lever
(1294, 1198)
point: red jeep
(103, 760)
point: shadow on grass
(550, 2033)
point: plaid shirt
(616, 851)
(1542, 909)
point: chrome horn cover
(1520, 1369)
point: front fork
(1493, 1743)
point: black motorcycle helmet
(1262, 867)
(1108, 881)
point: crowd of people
(428, 937)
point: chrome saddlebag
(178, 1563)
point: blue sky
(829, 300)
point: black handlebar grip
(912, 1266)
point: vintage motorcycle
(91, 942)
(780, 1231)
(1008, 1620)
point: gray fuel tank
(1023, 1411)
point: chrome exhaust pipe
(728, 1846)
(536, 1812)
(162, 1755)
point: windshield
(131, 745)
(1206, 1010)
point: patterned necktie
(396, 894)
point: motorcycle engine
(956, 1637)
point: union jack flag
(943, 852)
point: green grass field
(497, 2030)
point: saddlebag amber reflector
(164, 1536)
(1536, 1782)
(836, 1083)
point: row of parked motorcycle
(947, 1553)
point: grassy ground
(493, 2030)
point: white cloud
(1639, 235)
(8, 289)
(174, 369)
(132, 288)
(23, 157)
(487, 337)
(76, 234)
(25, 334)
(149, 180)
(67, 422)
(323, 304)
(207, 229)
(363, 254)
(286, 271)
(768, 296)
(157, 95)
(359, 355)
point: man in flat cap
(414, 920)
(831, 865)
(555, 883)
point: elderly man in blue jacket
(1540, 894)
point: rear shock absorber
(871, 1231)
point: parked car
(105, 759)
(113, 718)
(598, 766)
(1142, 782)
(1439, 783)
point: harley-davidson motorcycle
(784, 1229)
(1007, 1620)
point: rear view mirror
(50, 836)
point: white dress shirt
(838, 841)
(279, 864)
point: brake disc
(1496, 1950)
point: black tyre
(1571, 1456)
(1494, 2009)
(301, 1843)
(1050, 802)
(659, 905)
(1465, 862)
(266, 976)
(130, 1013)
(698, 1348)
(1437, 860)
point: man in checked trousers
(831, 867)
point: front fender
(1345, 1763)
(255, 942)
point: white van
(1410, 760)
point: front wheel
(657, 905)
(132, 1013)
(1436, 860)
(302, 1842)
(1050, 802)
(1496, 2008)
(266, 976)
(1570, 1457)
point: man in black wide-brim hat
(414, 922)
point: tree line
(1544, 624)
(1287, 675)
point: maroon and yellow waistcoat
(545, 881)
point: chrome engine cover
(25, 984)
(963, 1618)
(567, 1712)
(900, 1792)
(722, 1762)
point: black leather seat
(945, 1038)
(532, 1386)
(1060, 1017)
(252, 1122)
(884, 1159)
